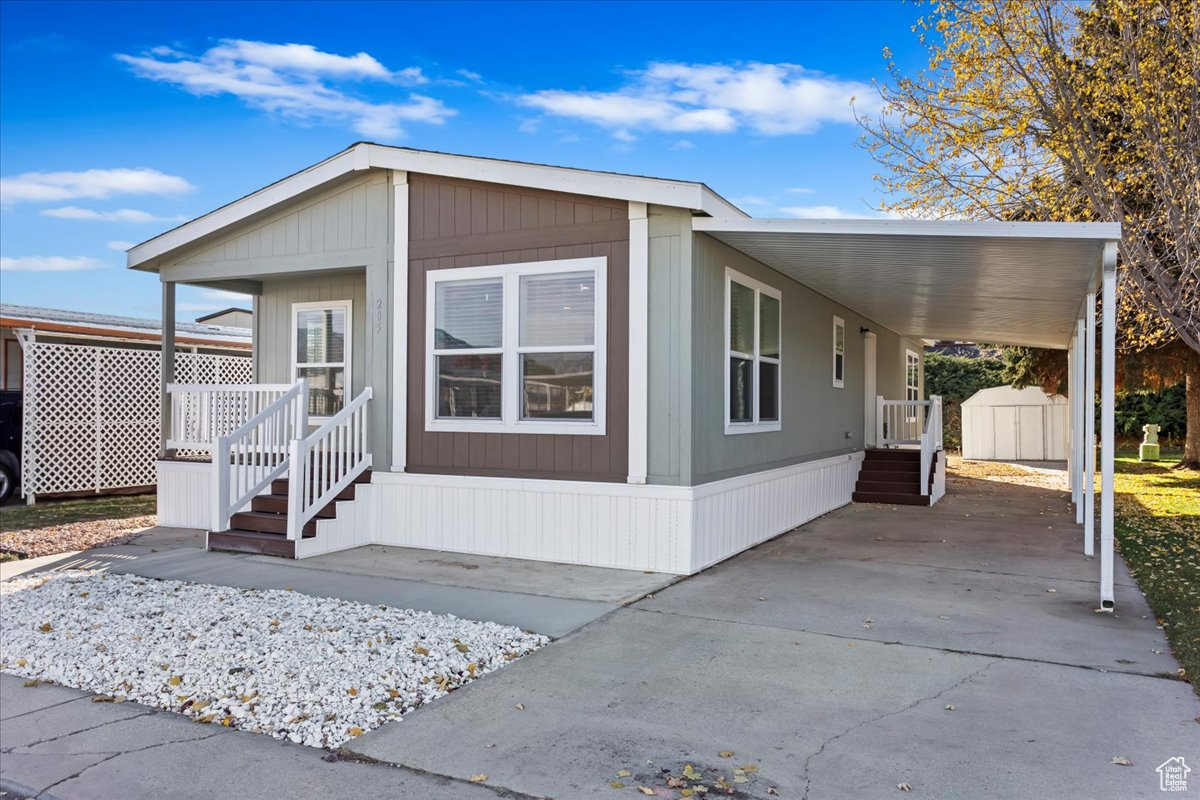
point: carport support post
(1089, 437)
(167, 364)
(1078, 412)
(1108, 376)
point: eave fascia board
(1097, 231)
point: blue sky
(118, 120)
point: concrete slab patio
(874, 647)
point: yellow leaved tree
(1066, 111)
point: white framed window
(517, 348)
(839, 353)
(321, 344)
(912, 380)
(753, 373)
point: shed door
(1030, 434)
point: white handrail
(931, 440)
(899, 421)
(327, 461)
(256, 452)
(202, 412)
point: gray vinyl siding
(670, 404)
(818, 420)
(273, 322)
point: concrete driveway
(953, 649)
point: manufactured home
(477, 355)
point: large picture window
(517, 347)
(752, 355)
(321, 353)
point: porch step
(894, 498)
(263, 529)
(886, 487)
(877, 472)
(894, 454)
(255, 542)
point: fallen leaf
(21, 662)
(904, 787)
(645, 790)
(355, 731)
(462, 648)
(622, 773)
(421, 651)
(46, 627)
(726, 754)
(1122, 761)
(676, 783)
(750, 768)
(950, 708)
(471, 668)
(520, 706)
(175, 680)
(480, 778)
(772, 790)
(690, 773)
(617, 785)
(35, 683)
(352, 691)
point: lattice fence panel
(91, 414)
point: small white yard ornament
(1148, 450)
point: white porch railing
(326, 461)
(202, 412)
(931, 440)
(248, 458)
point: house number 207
(378, 315)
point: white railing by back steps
(202, 412)
(327, 461)
(899, 421)
(931, 440)
(248, 458)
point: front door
(869, 386)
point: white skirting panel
(184, 493)
(939, 478)
(674, 529)
(574, 522)
(735, 514)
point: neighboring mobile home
(587, 367)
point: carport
(1031, 284)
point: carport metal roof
(1019, 283)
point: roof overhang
(365, 156)
(1017, 283)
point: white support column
(166, 365)
(639, 340)
(1108, 375)
(1089, 431)
(1073, 419)
(399, 317)
(1079, 406)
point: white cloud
(95, 184)
(771, 99)
(119, 215)
(119, 246)
(823, 212)
(47, 264)
(470, 75)
(294, 81)
(750, 201)
(801, 190)
(215, 300)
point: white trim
(1108, 375)
(756, 358)
(639, 342)
(915, 356)
(1103, 231)
(838, 322)
(870, 386)
(347, 364)
(510, 349)
(1088, 462)
(361, 156)
(399, 319)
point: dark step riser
(888, 474)
(268, 523)
(869, 487)
(232, 543)
(281, 487)
(276, 504)
(891, 499)
(892, 455)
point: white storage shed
(1007, 424)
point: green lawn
(59, 512)
(1158, 532)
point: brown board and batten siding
(455, 223)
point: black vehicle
(10, 443)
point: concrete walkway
(876, 646)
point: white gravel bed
(314, 670)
